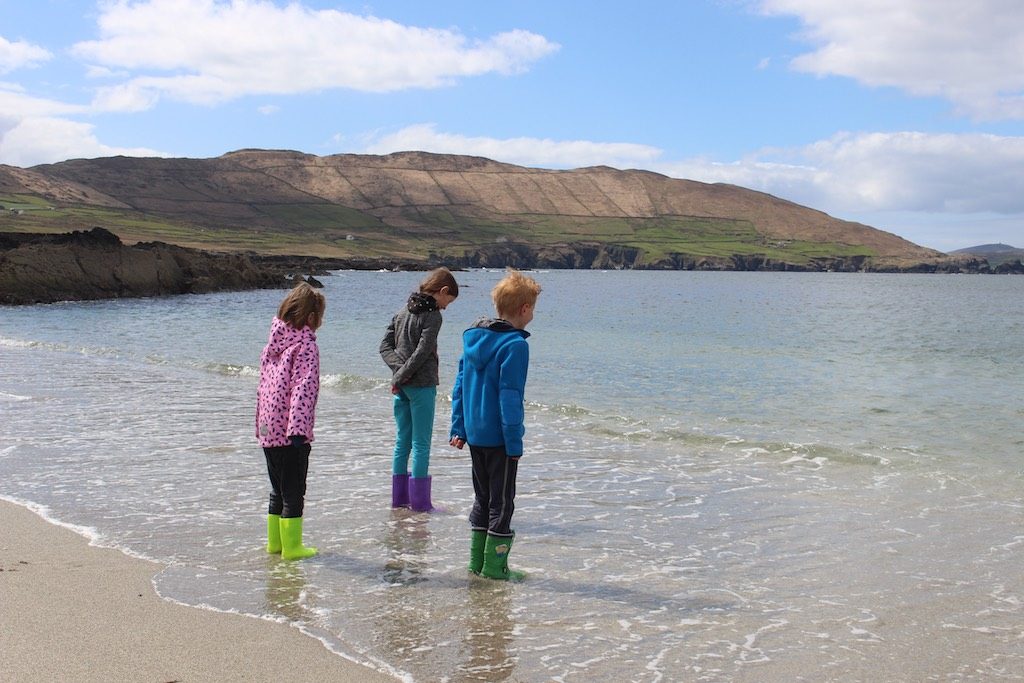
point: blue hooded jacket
(487, 399)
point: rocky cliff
(615, 257)
(95, 264)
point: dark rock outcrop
(1010, 267)
(94, 264)
(602, 256)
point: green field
(323, 229)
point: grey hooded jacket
(409, 346)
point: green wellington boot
(291, 540)
(477, 541)
(274, 534)
(496, 551)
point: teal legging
(414, 418)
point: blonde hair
(303, 306)
(438, 279)
(514, 290)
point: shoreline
(74, 611)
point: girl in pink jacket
(285, 412)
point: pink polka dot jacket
(289, 385)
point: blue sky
(907, 115)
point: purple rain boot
(399, 490)
(419, 494)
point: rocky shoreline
(95, 264)
(595, 255)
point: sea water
(728, 476)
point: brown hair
(303, 306)
(514, 290)
(437, 279)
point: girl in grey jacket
(409, 348)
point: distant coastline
(96, 264)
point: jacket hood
(421, 303)
(283, 336)
(483, 339)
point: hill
(995, 254)
(456, 209)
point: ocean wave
(671, 433)
(30, 344)
(16, 343)
(105, 351)
(227, 369)
(345, 382)
(338, 382)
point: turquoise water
(729, 476)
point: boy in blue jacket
(487, 413)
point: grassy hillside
(412, 204)
(330, 230)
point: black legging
(287, 467)
(494, 486)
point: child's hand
(395, 389)
(457, 442)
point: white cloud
(904, 171)
(127, 97)
(525, 151)
(20, 54)
(35, 130)
(102, 72)
(268, 109)
(32, 141)
(15, 104)
(967, 52)
(207, 51)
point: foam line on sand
(71, 611)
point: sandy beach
(74, 612)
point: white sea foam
(4, 396)
(17, 343)
(43, 511)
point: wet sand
(71, 611)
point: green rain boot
(274, 534)
(477, 541)
(291, 540)
(496, 551)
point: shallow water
(729, 476)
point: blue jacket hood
(487, 399)
(485, 336)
